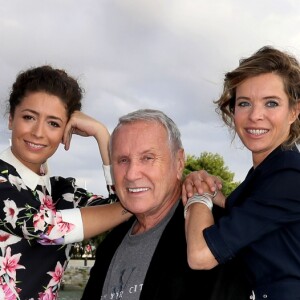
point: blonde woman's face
(262, 115)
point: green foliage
(213, 164)
(99, 238)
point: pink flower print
(48, 295)
(44, 240)
(93, 197)
(2, 293)
(46, 200)
(9, 264)
(11, 212)
(27, 235)
(57, 231)
(63, 227)
(2, 180)
(43, 218)
(39, 221)
(8, 292)
(50, 215)
(17, 182)
(56, 275)
(53, 233)
(7, 239)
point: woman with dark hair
(40, 216)
(260, 102)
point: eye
(243, 104)
(272, 103)
(147, 158)
(123, 160)
(28, 117)
(54, 124)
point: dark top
(169, 276)
(263, 226)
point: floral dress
(33, 255)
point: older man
(145, 258)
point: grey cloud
(168, 55)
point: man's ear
(180, 157)
(10, 122)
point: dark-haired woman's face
(37, 128)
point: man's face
(147, 176)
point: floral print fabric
(33, 255)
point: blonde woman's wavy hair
(265, 60)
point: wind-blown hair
(151, 115)
(265, 60)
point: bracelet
(204, 199)
(212, 196)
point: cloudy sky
(130, 54)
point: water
(69, 295)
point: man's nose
(133, 171)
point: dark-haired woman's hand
(84, 125)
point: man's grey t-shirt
(128, 268)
